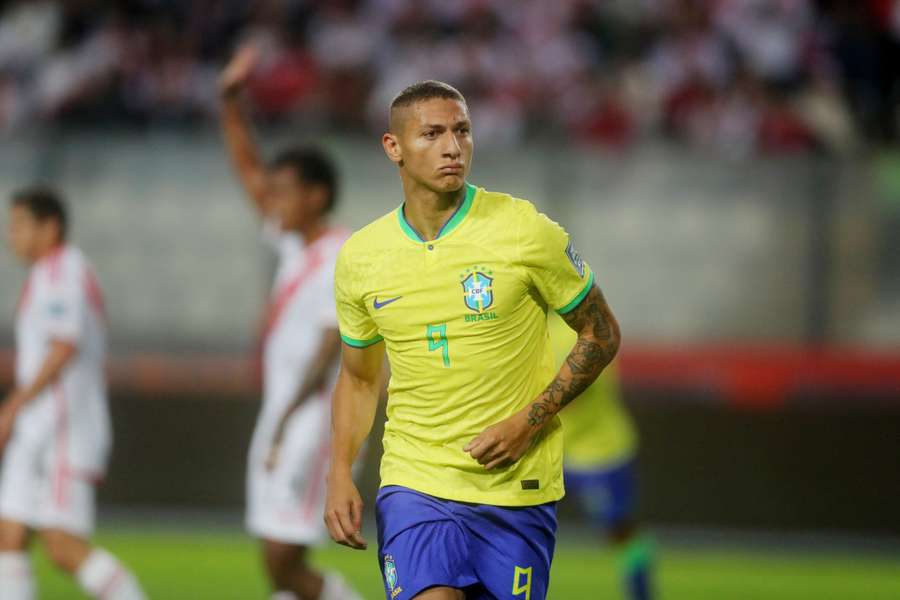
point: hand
(277, 439)
(272, 458)
(8, 412)
(237, 72)
(503, 443)
(343, 511)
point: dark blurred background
(729, 167)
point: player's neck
(45, 250)
(428, 211)
(313, 232)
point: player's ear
(392, 148)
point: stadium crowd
(737, 76)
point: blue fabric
(637, 583)
(486, 550)
(608, 496)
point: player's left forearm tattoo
(598, 342)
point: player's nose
(452, 149)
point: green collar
(451, 224)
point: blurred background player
(54, 426)
(300, 348)
(600, 446)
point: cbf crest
(390, 575)
(478, 288)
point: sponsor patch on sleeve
(575, 258)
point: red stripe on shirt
(94, 293)
(61, 472)
(277, 306)
(283, 297)
(287, 292)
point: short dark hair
(425, 90)
(44, 203)
(311, 166)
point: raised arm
(353, 412)
(242, 148)
(598, 341)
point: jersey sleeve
(357, 327)
(64, 305)
(552, 263)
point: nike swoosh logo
(378, 304)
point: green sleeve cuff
(577, 299)
(361, 343)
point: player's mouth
(451, 171)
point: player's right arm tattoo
(598, 342)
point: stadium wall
(816, 463)
(688, 247)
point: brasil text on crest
(478, 293)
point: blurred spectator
(781, 130)
(726, 74)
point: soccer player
(456, 284)
(289, 452)
(600, 446)
(54, 425)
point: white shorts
(38, 488)
(286, 504)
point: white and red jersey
(286, 504)
(301, 309)
(62, 301)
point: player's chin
(449, 182)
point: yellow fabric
(597, 428)
(462, 360)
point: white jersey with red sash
(285, 504)
(61, 439)
(301, 309)
(62, 301)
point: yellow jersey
(597, 429)
(464, 321)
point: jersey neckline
(452, 223)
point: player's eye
(463, 130)
(430, 134)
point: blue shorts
(491, 552)
(608, 496)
